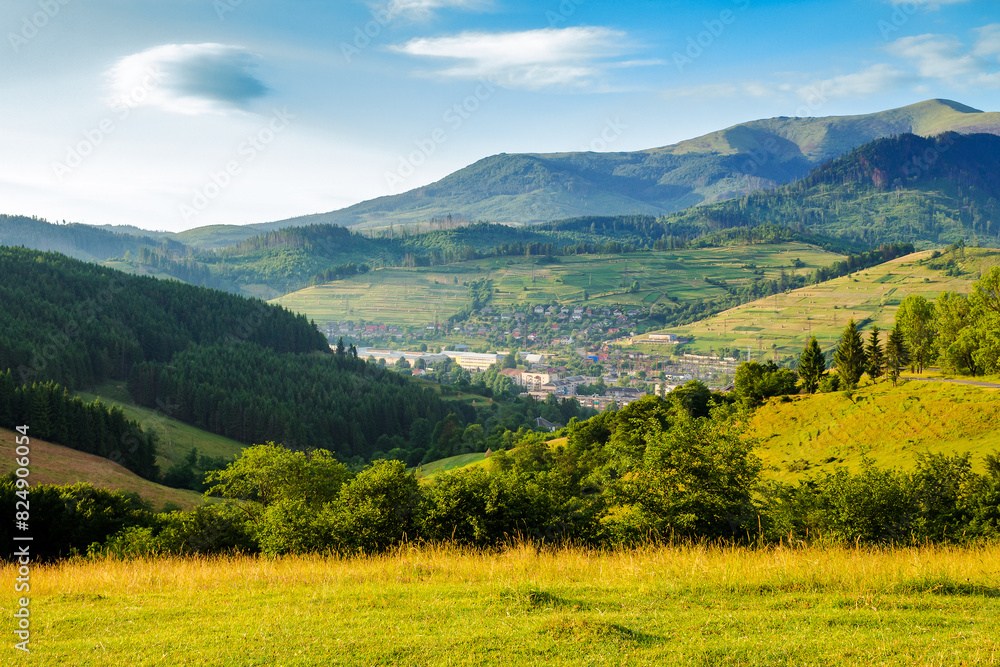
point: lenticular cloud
(187, 78)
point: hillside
(174, 438)
(809, 435)
(669, 279)
(930, 192)
(783, 323)
(85, 242)
(531, 188)
(81, 324)
(54, 464)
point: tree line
(680, 467)
(56, 416)
(80, 324)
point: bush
(872, 506)
(756, 382)
(829, 383)
(377, 510)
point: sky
(175, 114)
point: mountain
(86, 242)
(532, 188)
(907, 188)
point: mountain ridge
(527, 188)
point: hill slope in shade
(929, 192)
(54, 464)
(871, 296)
(174, 438)
(529, 188)
(811, 435)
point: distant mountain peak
(957, 106)
(526, 188)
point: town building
(473, 361)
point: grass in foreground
(442, 606)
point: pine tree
(812, 365)
(340, 346)
(850, 356)
(896, 354)
(874, 356)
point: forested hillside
(224, 363)
(79, 324)
(254, 394)
(906, 188)
(85, 242)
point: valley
(642, 280)
(559, 401)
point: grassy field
(176, 437)
(786, 321)
(434, 468)
(415, 296)
(810, 435)
(54, 464)
(681, 605)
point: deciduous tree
(915, 319)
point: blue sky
(172, 114)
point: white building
(473, 361)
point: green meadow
(175, 437)
(415, 296)
(809, 435)
(693, 604)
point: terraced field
(415, 296)
(782, 324)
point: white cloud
(187, 78)
(987, 41)
(422, 9)
(714, 91)
(942, 57)
(876, 79)
(531, 59)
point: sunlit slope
(55, 464)
(783, 323)
(174, 438)
(809, 435)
